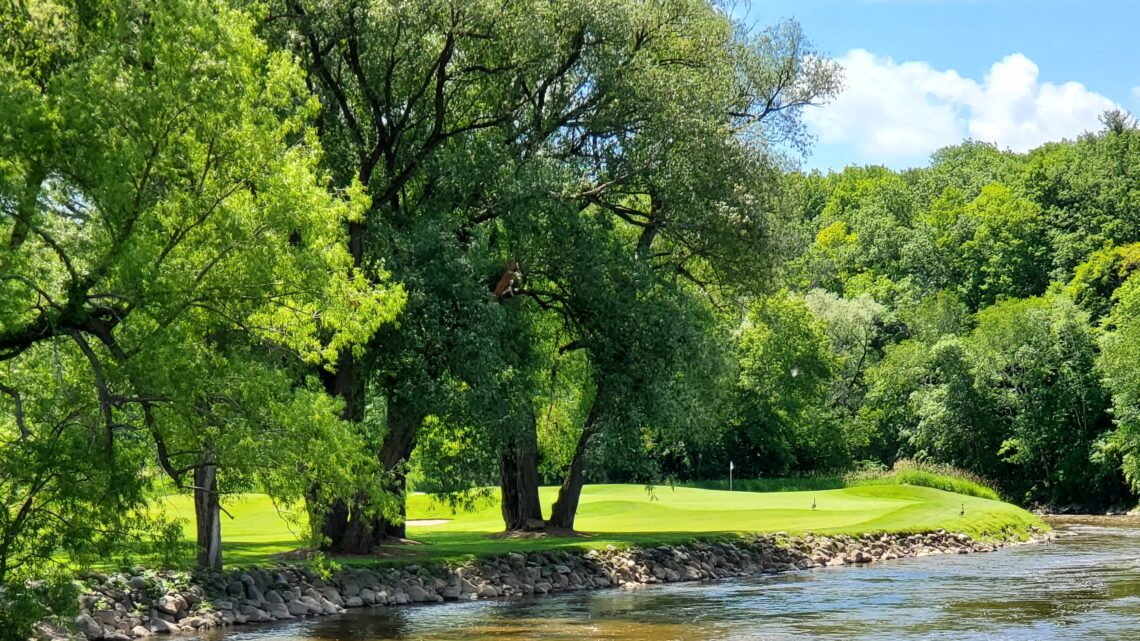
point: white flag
(731, 467)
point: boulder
(106, 617)
(169, 605)
(254, 614)
(297, 608)
(328, 607)
(280, 611)
(161, 626)
(89, 627)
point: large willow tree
(481, 129)
(172, 264)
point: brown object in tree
(507, 279)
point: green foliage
(173, 264)
(1120, 349)
(53, 597)
(785, 365)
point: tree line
(325, 249)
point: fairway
(632, 514)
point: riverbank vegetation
(328, 251)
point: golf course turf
(623, 515)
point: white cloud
(893, 111)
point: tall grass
(904, 472)
(939, 477)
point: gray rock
(89, 627)
(254, 614)
(138, 583)
(417, 594)
(314, 605)
(193, 622)
(106, 617)
(280, 611)
(235, 589)
(168, 605)
(297, 608)
(357, 602)
(332, 595)
(488, 591)
(161, 626)
(368, 595)
(140, 631)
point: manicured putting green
(631, 514)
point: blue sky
(922, 74)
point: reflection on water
(1085, 585)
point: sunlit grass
(623, 515)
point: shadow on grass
(463, 546)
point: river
(1084, 585)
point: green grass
(624, 515)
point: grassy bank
(904, 472)
(628, 515)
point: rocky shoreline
(141, 604)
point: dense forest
(325, 250)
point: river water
(1085, 585)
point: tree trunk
(208, 512)
(518, 468)
(352, 531)
(566, 506)
(403, 428)
(337, 533)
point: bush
(53, 599)
(939, 477)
